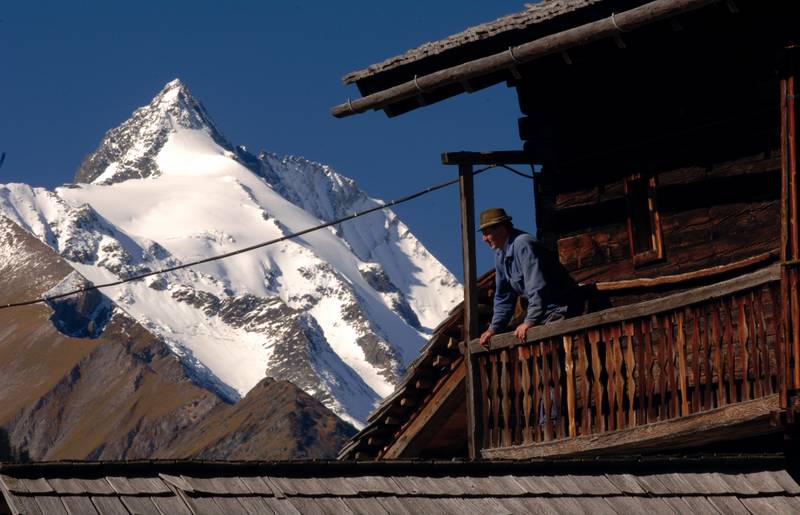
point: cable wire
(245, 249)
(521, 174)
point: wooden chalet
(668, 190)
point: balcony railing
(606, 372)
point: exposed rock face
(129, 151)
(118, 392)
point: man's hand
(485, 338)
(521, 330)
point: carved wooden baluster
(555, 363)
(524, 354)
(695, 352)
(594, 342)
(780, 344)
(586, 402)
(661, 357)
(716, 354)
(495, 401)
(547, 389)
(760, 336)
(619, 361)
(630, 367)
(680, 343)
(570, 373)
(611, 380)
(730, 352)
(641, 375)
(754, 352)
(649, 370)
(536, 359)
(516, 410)
(705, 341)
(672, 405)
(741, 326)
(761, 320)
(485, 393)
(506, 394)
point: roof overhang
(479, 73)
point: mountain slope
(338, 311)
(119, 392)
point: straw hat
(493, 216)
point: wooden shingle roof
(700, 484)
(534, 13)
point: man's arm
(534, 284)
(504, 298)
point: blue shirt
(517, 272)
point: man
(518, 272)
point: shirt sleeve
(534, 283)
(504, 299)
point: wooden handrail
(642, 309)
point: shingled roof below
(739, 484)
(532, 15)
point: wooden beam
(650, 282)
(470, 305)
(436, 410)
(632, 311)
(498, 157)
(607, 27)
(734, 421)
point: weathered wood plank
(146, 506)
(110, 506)
(740, 420)
(79, 505)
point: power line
(252, 247)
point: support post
(467, 204)
(789, 377)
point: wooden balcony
(688, 369)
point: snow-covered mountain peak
(339, 312)
(130, 150)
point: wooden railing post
(474, 401)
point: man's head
(495, 225)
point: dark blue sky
(268, 72)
